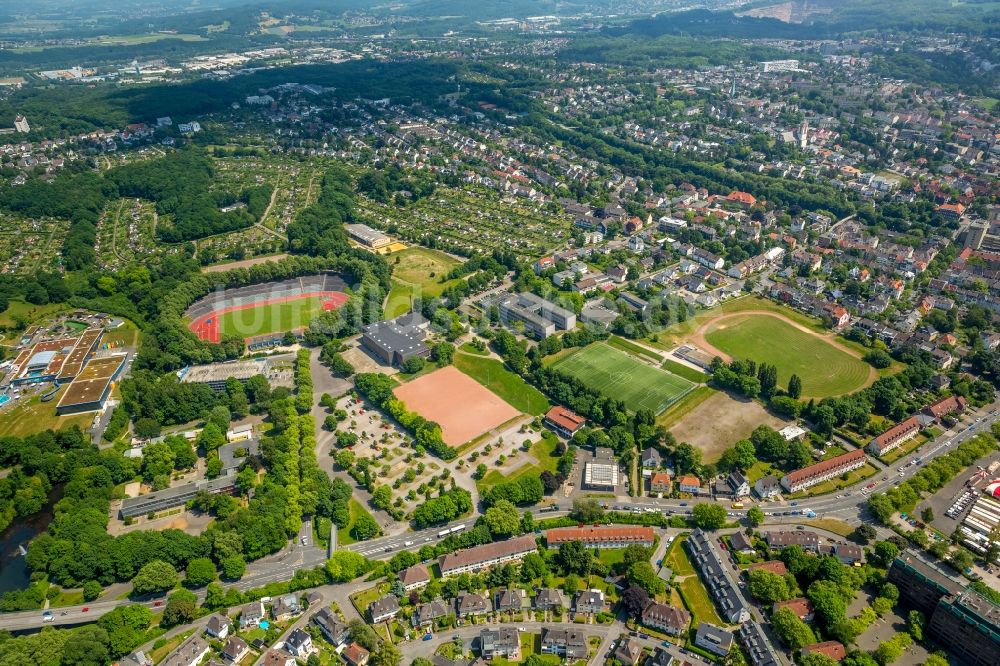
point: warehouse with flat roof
(168, 498)
(367, 236)
(88, 391)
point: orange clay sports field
(464, 408)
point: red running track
(206, 327)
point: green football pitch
(271, 318)
(622, 377)
(825, 370)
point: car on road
(158, 602)
(795, 503)
(84, 609)
(47, 616)
(428, 636)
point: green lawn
(22, 311)
(273, 318)
(825, 370)
(544, 451)
(904, 449)
(676, 558)
(32, 416)
(696, 598)
(632, 348)
(681, 370)
(356, 509)
(510, 387)
(622, 377)
(416, 273)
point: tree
(345, 566)
(91, 590)
(88, 648)
(634, 600)
(643, 575)
(915, 622)
(864, 534)
(794, 387)
(502, 519)
(233, 567)
(200, 572)
(884, 553)
(792, 631)
(156, 576)
(365, 527)
(387, 655)
(687, 458)
(816, 659)
(413, 365)
(181, 608)
(827, 601)
(533, 567)
(363, 635)
(755, 516)
(575, 558)
(709, 516)
(442, 353)
(768, 587)
(635, 553)
(126, 628)
(587, 510)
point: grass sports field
(825, 370)
(270, 318)
(620, 376)
(416, 272)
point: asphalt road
(848, 505)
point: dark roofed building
(804, 538)
(396, 341)
(383, 609)
(668, 619)
(500, 642)
(426, 614)
(714, 639)
(549, 598)
(569, 643)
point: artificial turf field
(619, 376)
(825, 370)
(270, 318)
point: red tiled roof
(951, 403)
(486, 553)
(565, 418)
(600, 534)
(659, 478)
(831, 649)
(825, 466)
(893, 434)
(688, 480)
(742, 197)
(771, 566)
(802, 607)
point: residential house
(487, 555)
(651, 458)
(627, 652)
(383, 609)
(739, 543)
(235, 649)
(285, 607)
(714, 639)
(278, 658)
(334, 631)
(832, 649)
(549, 598)
(218, 626)
(952, 404)
(776, 567)
(802, 608)
(508, 600)
(849, 553)
(426, 614)
(803, 538)
(299, 643)
(659, 482)
(415, 577)
(588, 601)
(568, 643)
(758, 646)
(734, 485)
(469, 604)
(668, 619)
(602, 536)
(500, 642)
(188, 653)
(714, 572)
(767, 487)
(660, 657)
(894, 437)
(137, 658)
(355, 655)
(824, 470)
(251, 614)
(689, 484)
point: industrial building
(367, 236)
(396, 341)
(278, 370)
(540, 318)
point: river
(14, 573)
